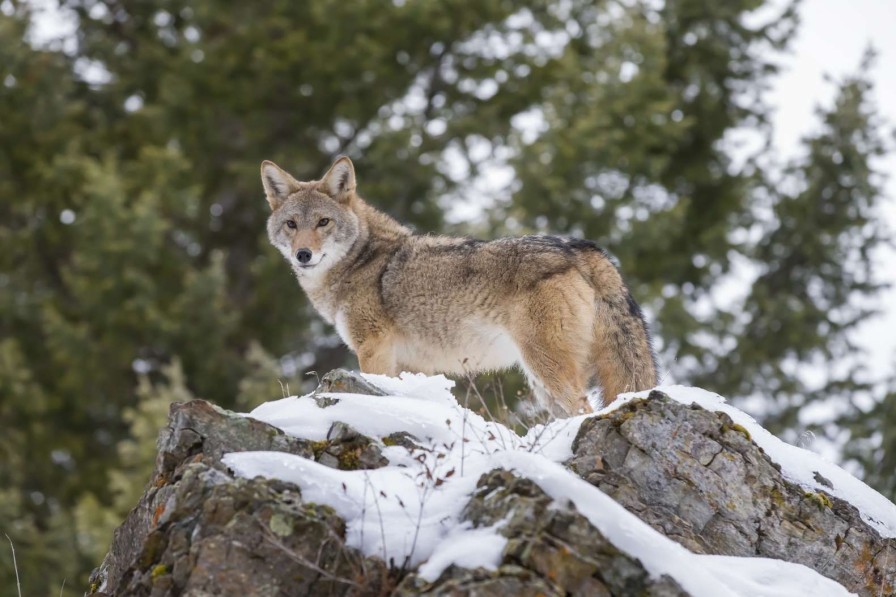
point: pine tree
(132, 219)
(791, 340)
(872, 441)
(95, 520)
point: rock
(403, 439)
(340, 381)
(191, 488)
(196, 432)
(691, 474)
(224, 536)
(551, 550)
(699, 479)
(348, 450)
(456, 582)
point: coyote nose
(303, 255)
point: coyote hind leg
(559, 386)
(554, 338)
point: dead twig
(15, 565)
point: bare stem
(15, 565)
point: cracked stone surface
(224, 536)
(696, 477)
(691, 474)
(191, 486)
(551, 550)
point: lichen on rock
(691, 474)
(554, 548)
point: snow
(409, 512)
(467, 548)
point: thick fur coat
(556, 307)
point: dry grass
(15, 565)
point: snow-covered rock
(376, 485)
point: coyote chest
(558, 308)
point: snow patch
(465, 547)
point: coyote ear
(277, 183)
(339, 181)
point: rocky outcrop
(197, 432)
(199, 531)
(551, 550)
(221, 536)
(698, 478)
(691, 474)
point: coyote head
(312, 223)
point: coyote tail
(626, 361)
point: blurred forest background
(135, 270)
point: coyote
(557, 307)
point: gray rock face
(196, 431)
(691, 474)
(696, 477)
(199, 531)
(224, 536)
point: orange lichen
(157, 514)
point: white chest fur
(341, 323)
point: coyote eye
(291, 224)
(323, 222)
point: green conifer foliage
(132, 218)
(815, 258)
(872, 441)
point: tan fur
(404, 302)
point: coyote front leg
(377, 355)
